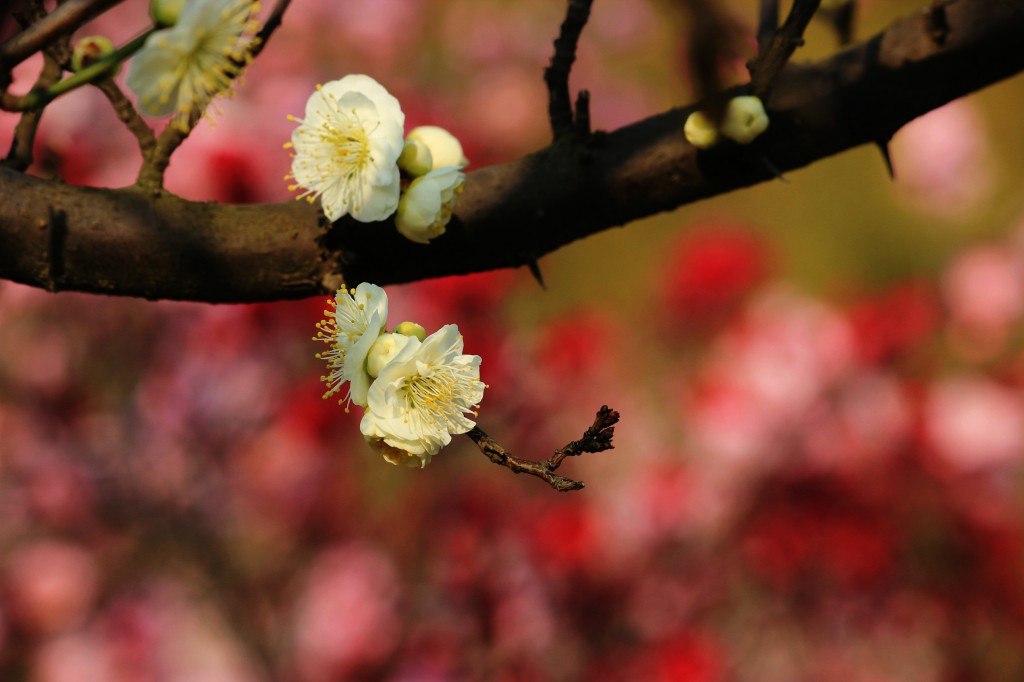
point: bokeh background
(817, 475)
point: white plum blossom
(346, 149)
(421, 397)
(427, 204)
(182, 68)
(356, 319)
(445, 148)
(745, 119)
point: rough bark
(126, 242)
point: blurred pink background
(817, 475)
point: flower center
(434, 392)
(350, 144)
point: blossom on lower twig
(182, 68)
(421, 397)
(427, 203)
(346, 149)
(357, 317)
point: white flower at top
(426, 205)
(182, 68)
(356, 319)
(421, 397)
(346, 149)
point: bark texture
(127, 242)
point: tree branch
(597, 438)
(556, 75)
(770, 61)
(127, 243)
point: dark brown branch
(62, 21)
(128, 115)
(124, 242)
(597, 438)
(767, 66)
(556, 75)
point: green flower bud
(90, 50)
(166, 12)
(411, 329)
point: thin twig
(128, 115)
(62, 21)
(20, 155)
(154, 164)
(271, 25)
(767, 25)
(597, 438)
(766, 67)
(556, 75)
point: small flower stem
(128, 115)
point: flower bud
(383, 350)
(745, 119)
(444, 147)
(415, 159)
(700, 130)
(90, 50)
(166, 12)
(426, 205)
(411, 329)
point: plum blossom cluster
(416, 389)
(350, 151)
(201, 50)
